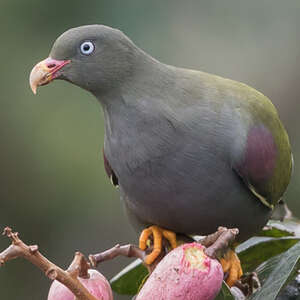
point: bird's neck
(141, 92)
(134, 113)
(144, 80)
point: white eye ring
(87, 48)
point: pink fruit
(186, 273)
(97, 285)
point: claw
(231, 265)
(158, 234)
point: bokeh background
(53, 187)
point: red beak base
(45, 71)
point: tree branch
(78, 267)
(216, 244)
(210, 239)
(127, 251)
(224, 238)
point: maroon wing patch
(109, 171)
(258, 162)
(260, 155)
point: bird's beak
(45, 71)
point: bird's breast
(156, 152)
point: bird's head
(94, 57)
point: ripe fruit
(96, 284)
(186, 273)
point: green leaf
(224, 293)
(275, 273)
(276, 230)
(256, 250)
(291, 225)
(128, 281)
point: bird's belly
(193, 205)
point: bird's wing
(265, 164)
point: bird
(188, 150)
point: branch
(127, 251)
(210, 239)
(224, 238)
(78, 267)
(217, 244)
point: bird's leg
(158, 235)
(232, 266)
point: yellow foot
(158, 234)
(231, 265)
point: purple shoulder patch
(260, 155)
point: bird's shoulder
(260, 151)
(263, 159)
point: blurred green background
(53, 187)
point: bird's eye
(87, 48)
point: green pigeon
(190, 151)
